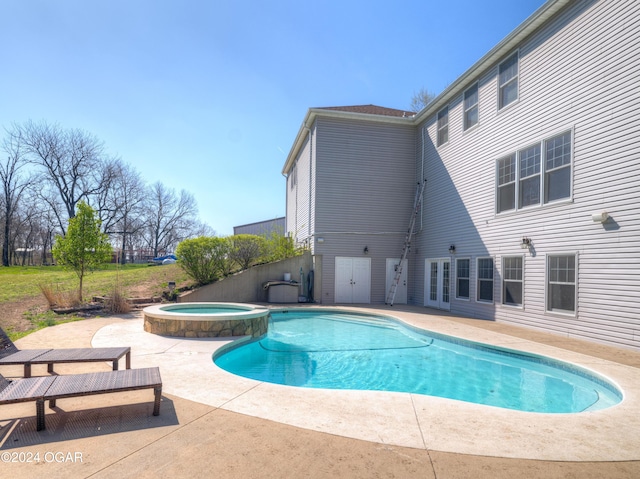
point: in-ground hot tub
(206, 320)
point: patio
(211, 421)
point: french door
(437, 293)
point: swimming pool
(340, 350)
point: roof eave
(507, 45)
(311, 115)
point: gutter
(310, 118)
(488, 61)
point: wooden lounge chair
(10, 354)
(51, 388)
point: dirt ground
(14, 317)
(12, 314)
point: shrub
(205, 259)
(246, 249)
(279, 247)
(117, 302)
(57, 298)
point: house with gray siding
(530, 214)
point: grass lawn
(21, 286)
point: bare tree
(26, 235)
(14, 181)
(71, 163)
(123, 204)
(104, 200)
(420, 99)
(46, 232)
(66, 166)
(170, 218)
(202, 229)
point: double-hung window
(508, 81)
(561, 283)
(443, 126)
(557, 171)
(506, 183)
(540, 173)
(485, 280)
(462, 278)
(471, 107)
(293, 176)
(529, 176)
(512, 280)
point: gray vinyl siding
(300, 196)
(365, 190)
(581, 73)
(262, 228)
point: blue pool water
(319, 349)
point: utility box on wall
(283, 292)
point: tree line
(46, 170)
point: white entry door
(353, 280)
(401, 291)
(437, 274)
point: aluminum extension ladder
(407, 242)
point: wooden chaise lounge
(51, 388)
(11, 355)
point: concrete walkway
(213, 423)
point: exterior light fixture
(526, 243)
(452, 249)
(366, 250)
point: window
(519, 181)
(443, 126)
(462, 278)
(507, 183)
(529, 165)
(508, 81)
(293, 176)
(512, 280)
(557, 177)
(485, 279)
(561, 283)
(446, 281)
(433, 290)
(471, 107)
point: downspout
(310, 182)
(286, 204)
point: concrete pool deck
(355, 433)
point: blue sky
(208, 96)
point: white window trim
(517, 79)
(493, 281)
(543, 170)
(461, 298)
(558, 312)
(438, 144)
(464, 110)
(294, 176)
(543, 158)
(497, 183)
(540, 144)
(502, 281)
